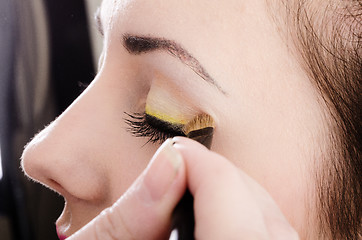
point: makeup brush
(200, 129)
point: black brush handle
(183, 219)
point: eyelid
(168, 103)
(164, 117)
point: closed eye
(156, 130)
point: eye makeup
(166, 113)
(166, 102)
(156, 130)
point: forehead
(166, 16)
(224, 29)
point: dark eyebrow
(141, 44)
(98, 21)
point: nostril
(34, 166)
(64, 163)
(44, 165)
(55, 186)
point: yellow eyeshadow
(164, 117)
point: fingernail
(161, 171)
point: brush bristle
(199, 122)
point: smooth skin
(269, 138)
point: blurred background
(47, 50)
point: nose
(65, 155)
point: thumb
(144, 211)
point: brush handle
(183, 220)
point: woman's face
(228, 60)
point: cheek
(126, 164)
(122, 156)
(273, 133)
(278, 163)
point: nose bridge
(62, 156)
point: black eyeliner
(161, 125)
(156, 130)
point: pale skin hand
(228, 203)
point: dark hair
(328, 38)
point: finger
(144, 211)
(228, 204)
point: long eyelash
(156, 130)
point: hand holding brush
(200, 129)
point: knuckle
(112, 226)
